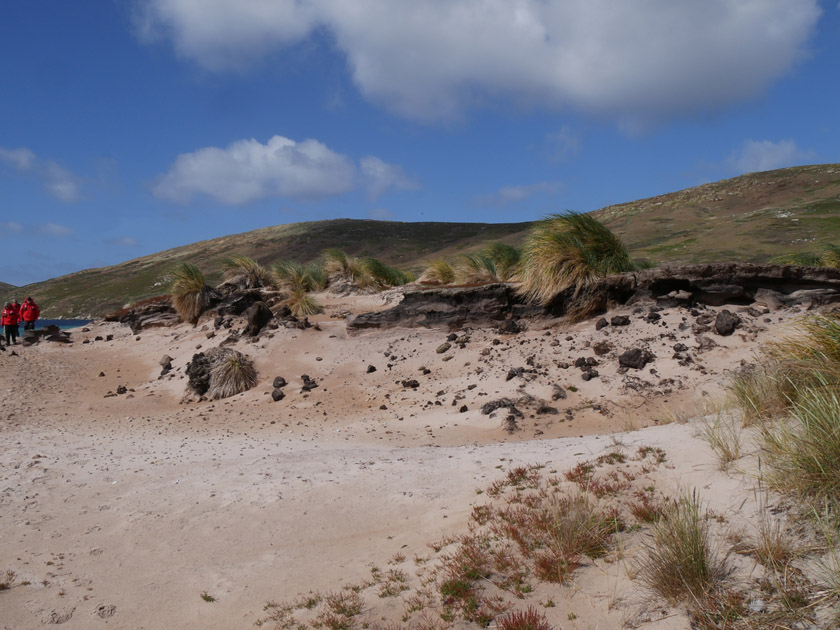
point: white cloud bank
(764, 155)
(635, 60)
(247, 171)
(55, 179)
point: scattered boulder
(726, 323)
(371, 369)
(257, 315)
(635, 358)
(411, 383)
(601, 323)
(620, 320)
(277, 394)
(308, 383)
(48, 333)
(279, 382)
(443, 348)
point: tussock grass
(231, 373)
(528, 619)
(385, 275)
(292, 275)
(245, 272)
(569, 251)
(190, 294)
(497, 262)
(439, 271)
(803, 451)
(680, 564)
(723, 435)
(302, 304)
(829, 257)
(338, 264)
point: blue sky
(130, 127)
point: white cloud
(56, 180)
(508, 195)
(55, 229)
(10, 228)
(563, 144)
(632, 60)
(247, 170)
(765, 155)
(379, 176)
(125, 241)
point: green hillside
(753, 218)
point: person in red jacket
(9, 319)
(29, 313)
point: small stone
(371, 369)
(443, 348)
(601, 323)
(463, 409)
(277, 394)
(620, 320)
(635, 358)
(279, 382)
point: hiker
(9, 320)
(29, 313)
(16, 309)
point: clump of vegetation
(680, 564)
(301, 304)
(723, 435)
(245, 272)
(497, 262)
(365, 273)
(231, 373)
(439, 271)
(8, 579)
(207, 597)
(190, 294)
(570, 251)
(829, 257)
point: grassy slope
(406, 245)
(7, 290)
(751, 218)
(748, 218)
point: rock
(653, 317)
(726, 323)
(451, 337)
(559, 393)
(152, 313)
(510, 424)
(257, 315)
(411, 383)
(102, 374)
(443, 348)
(620, 320)
(601, 323)
(514, 372)
(588, 375)
(544, 409)
(371, 369)
(198, 373)
(463, 409)
(601, 348)
(277, 394)
(122, 389)
(279, 382)
(48, 333)
(453, 308)
(680, 347)
(489, 407)
(510, 327)
(308, 383)
(165, 360)
(635, 358)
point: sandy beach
(122, 510)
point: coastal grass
(231, 373)
(723, 435)
(497, 262)
(190, 293)
(828, 257)
(301, 304)
(245, 272)
(439, 271)
(569, 251)
(292, 275)
(385, 275)
(680, 564)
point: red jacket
(29, 311)
(9, 317)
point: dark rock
(544, 409)
(510, 424)
(308, 383)
(102, 374)
(601, 323)
(601, 348)
(198, 373)
(489, 407)
(109, 337)
(165, 359)
(235, 303)
(152, 314)
(257, 316)
(122, 389)
(580, 362)
(463, 409)
(635, 358)
(620, 320)
(451, 337)
(559, 393)
(680, 347)
(277, 394)
(48, 333)
(510, 327)
(588, 375)
(726, 323)
(514, 372)
(371, 369)
(279, 382)
(443, 348)
(412, 383)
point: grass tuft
(723, 435)
(439, 271)
(190, 294)
(680, 564)
(569, 251)
(528, 619)
(231, 373)
(245, 272)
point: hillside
(6, 289)
(752, 218)
(406, 245)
